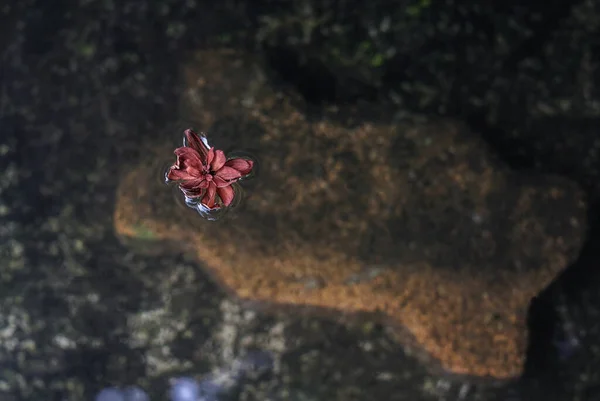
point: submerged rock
(413, 219)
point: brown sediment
(462, 244)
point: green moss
(416, 9)
(225, 38)
(368, 327)
(143, 232)
(86, 50)
(377, 60)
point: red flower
(205, 172)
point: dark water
(86, 86)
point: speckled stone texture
(411, 218)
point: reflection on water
(210, 388)
(131, 393)
(214, 214)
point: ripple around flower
(195, 203)
(217, 214)
(162, 168)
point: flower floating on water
(204, 172)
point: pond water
(418, 220)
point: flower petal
(188, 157)
(194, 142)
(228, 173)
(210, 156)
(218, 161)
(193, 193)
(175, 174)
(191, 184)
(220, 183)
(242, 165)
(226, 194)
(209, 198)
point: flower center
(209, 177)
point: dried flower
(204, 172)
